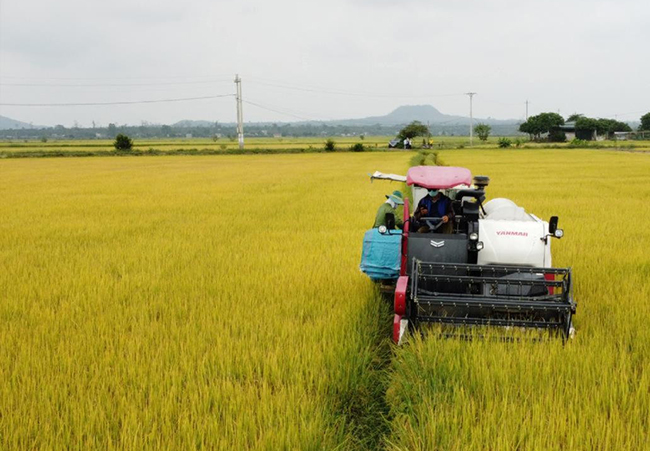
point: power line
(490, 100)
(166, 77)
(631, 112)
(471, 117)
(185, 99)
(527, 103)
(240, 112)
(298, 114)
(119, 85)
(277, 111)
(347, 93)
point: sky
(316, 60)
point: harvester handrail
(482, 279)
(426, 294)
(514, 304)
(490, 322)
(511, 269)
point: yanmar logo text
(511, 233)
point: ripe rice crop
(208, 302)
(216, 303)
(592, 393)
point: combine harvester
(493, 268)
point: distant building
(634, 135)
(569, 129)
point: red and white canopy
(438, 177)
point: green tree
(415, 128)
(112, 130)
(123, 142)
(482, 131)
(330, 145)
(609, 126)
(645, 122)
(574, 117)
(536, 126)
(586, 127)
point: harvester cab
(493, 266)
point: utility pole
(471, 117)
(527, 109)
(240, 113)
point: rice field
(278, 145)
(178, 144)
(216, 303)
(181, 303)
(593, 393)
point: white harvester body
(511, 236)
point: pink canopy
(438, 177)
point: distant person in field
(438, 206)
(407, 143)
(390, 206)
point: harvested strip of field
(593, 393)
(186, 303)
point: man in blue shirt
(439, 206)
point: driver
(417, 224)
(438, 206)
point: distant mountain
(399, 116)
(396, 118)
(12, 124)
(423, 113)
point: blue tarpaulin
(380, 257)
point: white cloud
(574, 55)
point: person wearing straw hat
(390, 206)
